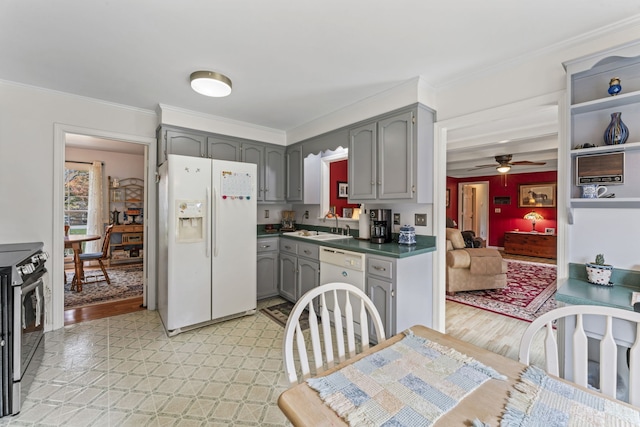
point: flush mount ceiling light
(503, 168)
(210, 83)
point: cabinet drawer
(309, 250)
(380, 267)
(289, 245)
(268, 245)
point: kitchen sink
(316, 235)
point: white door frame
(481, 208)
(440, 180)
(56, 264)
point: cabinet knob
(307, 251)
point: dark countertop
(576, 290)
(424, 244)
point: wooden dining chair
(100, 256)
(335, 303)
(599, 323)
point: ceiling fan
(505, 163)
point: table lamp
(533, 216)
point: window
(76, 196)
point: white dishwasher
(337, 265)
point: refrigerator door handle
(214, 201)
(207, 247)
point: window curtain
(95, 222)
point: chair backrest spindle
(601, 319)
(336, 318)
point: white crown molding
(208, 122)
(608, 30)
(78, 97)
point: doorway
(122, 142)
(473, 207)
(114, 168)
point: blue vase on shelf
(617, 132)
(614, 86)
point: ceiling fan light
(503, 168)
(210, 83)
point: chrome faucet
(333, 230)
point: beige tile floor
(125, 371)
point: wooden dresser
(530, 244)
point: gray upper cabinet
(362, 162)
(223, 149)
(294, 173)
(179, 142)
(254, 153)
(271, 170)
(269, 158)
(384, 156)
(395, 157)
(274, 174)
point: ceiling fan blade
(526, 162)
(483, 166)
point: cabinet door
(185, 144)
(267, 274)
(223, 149)
(381, 293)
(395, 157)
(362, 162)
(274, 182)
(253, 153)
(308, 275)
(294, 174)
(288, 276)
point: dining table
(75, 241)
(303, 406)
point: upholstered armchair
(472, 269)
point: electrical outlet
(421, 219)
(306, 214)
(396, 219)
(266, 213)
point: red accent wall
(511, 216)
(338, 172)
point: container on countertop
(407, 235)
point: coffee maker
(380, 225)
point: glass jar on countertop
(407, 235)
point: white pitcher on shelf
(593, 191)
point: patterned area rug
(529, 293)
(126, 282)
(280, 313)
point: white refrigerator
(207, 241)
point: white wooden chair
(609, 358)
(342, 297)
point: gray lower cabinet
(267, 267)
(380, 287)
(401, 290)
(299, 268)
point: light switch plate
(396, 219)
(421, 219)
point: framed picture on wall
(448, 197)
(537, 195)
(343, 190)
(347, 212)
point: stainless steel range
(22, 267)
